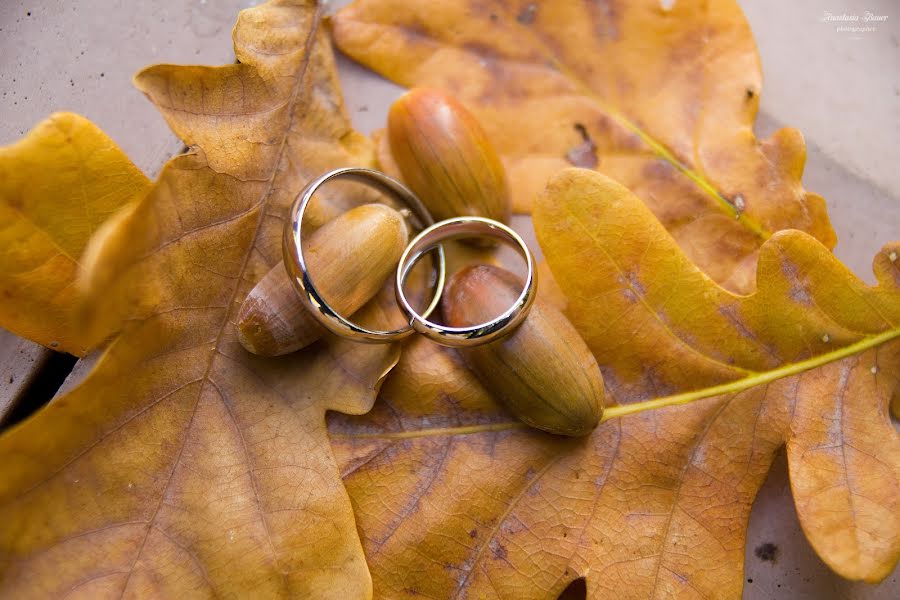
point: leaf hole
(583, 154)
(576, 590)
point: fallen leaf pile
(182, 466)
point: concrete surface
(80, 55)
(842, 89)
(21, 362)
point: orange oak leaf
(183, 467)
(57, 186)
(455, 499)
(662, 99)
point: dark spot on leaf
(749, 580)
(526, 15)
(494, 18)
(661, 170)
(606, 16)
(506, 83)
(473, 534)
(483, 51)
(731, 312)
(767, 552)
(750, 93)
(635, 283)
(498, 550)
(585, 153)
(414, 32)
(576, 590)
(798, 292)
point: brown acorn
(446, 158)
(543, 371)
(349, 258)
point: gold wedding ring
(428, 241)
(295, 262)
(483, 333)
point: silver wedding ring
(295, 263)
(428, 241)
(483, 333)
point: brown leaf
(661, 100)
(683, 333)
(182, 466)
(456, 499)
(57, 186)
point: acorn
(445, 157)
(543, 371)
(349, 259)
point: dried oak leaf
(454, 499)
(58, 185)
(182, 467)
(662, 100)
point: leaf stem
(698, 179)
(740, 385)
(612, 412)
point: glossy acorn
(445, 157)
(543, 371)
(349, 258)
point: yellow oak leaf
(683, 333)
(57, 187)
(455, 499)
(182, 466)
(662, 99)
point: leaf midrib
(301, 76)
(612, 412)
(758, 378)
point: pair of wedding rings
(428, 241)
